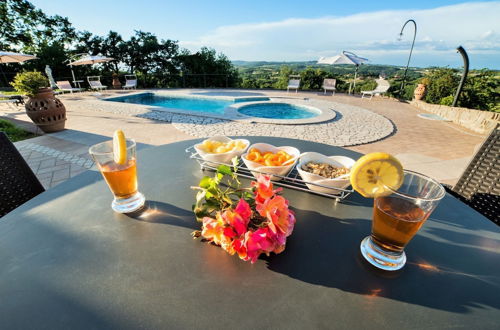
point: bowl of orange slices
(269, 159)
(221, 149)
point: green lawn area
(13, 132)
(9, 93)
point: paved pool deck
(439, 149)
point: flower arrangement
(246, 221)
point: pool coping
(231, 112)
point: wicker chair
(479, 185)
(18, 184)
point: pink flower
(264, 188)
(280, 217)
(213, 229)
(257, 242)
(239, 218)
(240, 248)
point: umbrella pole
(72, 73)
(355, 75)
(4, 77)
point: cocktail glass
(398, 217)
(121, 178)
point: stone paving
(352, 126)
(55, 163)
(439, 149)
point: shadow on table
(159, 212)
(454, 276)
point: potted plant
(419, 92)
(43, 108)
(116, 81)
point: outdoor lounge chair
(95, 83)
(10, 99)
(65, 86)
(329, 85)
(130, 82)
(18, 184)
(293, 84)
(382, 88)
(479, 184)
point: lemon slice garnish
(376, 174)
(119, 147)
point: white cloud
(475, 26)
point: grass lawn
(13, 132)
(9, 93)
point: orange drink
(121, 179)
(117, 163)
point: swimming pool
(180, 103)
(278, 111)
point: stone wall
(475, 120)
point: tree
(284, 77)
(215, 70)
(144, 53)
(443, 83)
(22, 26)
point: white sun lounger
(382, 88)
(95, 83)
(11, 99)
(293, 84)
(130, 82)
(329, 85)
(65, 86)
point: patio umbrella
(345, 58)
(10, 57)
(89, 60)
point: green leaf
(205, 182)
(219, 176)
(235, 163)
(224, 169)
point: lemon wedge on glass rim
(119, 147)
(376, 174)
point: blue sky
(304, 30)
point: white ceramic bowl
(222, 157)
(337, 161)
(278, 170)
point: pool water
(181, 103)
(278, 111)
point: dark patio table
(68, 261)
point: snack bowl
(338, 161)
(277, 170)
(224, 157)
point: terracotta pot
(116, 83)
(46, 111)
(419, 92)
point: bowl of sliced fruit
(269, 159)
(321, 172)
(221, 149)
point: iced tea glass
(398, 217)
(121, 178)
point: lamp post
(411, 50)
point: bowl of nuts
(321, 172)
